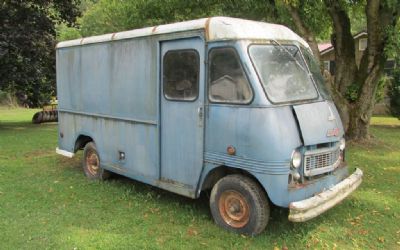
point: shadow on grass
(278, 225)
(23, 125)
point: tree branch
(304, 31)
(343, 42)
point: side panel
(109, 91)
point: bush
(7, 99)
(394, 93)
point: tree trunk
(380, 18)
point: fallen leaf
(381, 239)
(192, 232)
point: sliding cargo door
(182, 118)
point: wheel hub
(92, 162)
(234, 209)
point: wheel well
(219, 172)
(81, 142)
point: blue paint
(112, 92)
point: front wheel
(91, 163)
(239, 205)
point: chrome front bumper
(307, 209)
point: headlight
(296, 159)
(342, 144)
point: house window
(326, 65)
(181, 75)
(389, 66)
(362, 44)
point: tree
(108, 16)
(27, 41)
(381, 17)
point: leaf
(192, 232)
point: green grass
(46, 202)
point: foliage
(65, 32)
(27, 41)
(112, 15)
(8, 100)
(394, 93)
(382, 84)
(313, 14)
(55, 207)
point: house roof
(327, 47)
(215, 28)
(324, 46)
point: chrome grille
(320, 161)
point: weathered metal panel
(319, 122)
(182, 127)
(216, 29)
(95, 79)
(108, 91)
(267, 135)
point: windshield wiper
(292, 56)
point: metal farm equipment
(48, 114)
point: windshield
(282, 72)
(316, 74)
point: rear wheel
(239, 204)
(91, 163)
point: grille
(320, 162)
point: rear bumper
(64, 153)
(307, 209)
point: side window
(227, 80)
(181, 75)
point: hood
(319, 122)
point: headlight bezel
(342, 144)
(296, 159)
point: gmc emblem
(333, 132)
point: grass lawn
(46, 202)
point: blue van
(231, 106)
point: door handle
(200, 113)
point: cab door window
(227, 81)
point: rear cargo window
(227, 80)
(181, 75)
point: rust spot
(231, 150)
(112, 36)
(207, 28)
(81, 42)
(154, 29)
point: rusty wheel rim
(92, 162)
(234, 209)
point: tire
(46, 116)
(91, 163)
(238, 204)
(37, 117)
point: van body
(182, 106)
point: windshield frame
(287, 43)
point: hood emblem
(333, 132)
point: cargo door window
(181, 75)
(227, 79)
